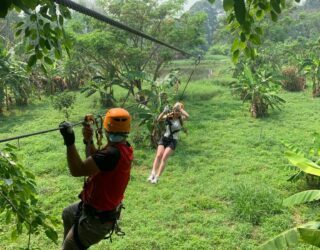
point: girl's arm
(161, 117)
(184, 114)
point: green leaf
(14, 234)
(303, 163)
(32, 60)
(254, 38)
(235, 45)
(211, 1)
(48, 60)
(285, 240)
(39, 54)
(240, 11)
(60, 20)
(302, 197)
(228, 4)
(19, 24)
(48, 46)
(235, 55)
(262, 6)
(57, 54)
(18, 32)
(243, 37)
(4, 6)
(258, 30)
(274, 16)
(259, 13)
(33, 18)
(275, 4)
(27, 31)
(310, 236)
(8, 216)
(52, 234)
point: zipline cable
(196, 63)
(88, 12)
(36, 133)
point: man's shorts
(167, 142)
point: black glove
(67, 133)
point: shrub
(292, 81)
(64, 102)
(252, 202)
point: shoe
(155, 180)
(151, 177)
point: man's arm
(78, 167)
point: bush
(64, 102)
(292, 81)
(219, 49)
(252, 202)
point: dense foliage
(19, 201)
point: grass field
(222, 189)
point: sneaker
(155, 180)
(151, 177)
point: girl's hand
(87, 133)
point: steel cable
(84, 10)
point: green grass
(195, 205)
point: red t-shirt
(104, 191)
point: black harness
(104, 216)
(169, 123)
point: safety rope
(88, 12)
(196, 63)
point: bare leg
(167, 152)
(157, 159)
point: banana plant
(308, 233)
(157, 96)
(260, 90)
(13, 79)
(306, 163)
(311, 67)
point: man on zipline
(89, 221)
(168, 142)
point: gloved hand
(166, 109)
(67, 133)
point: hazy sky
(189, 3)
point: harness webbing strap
(76, 227)
(170, 129)
(104, 216)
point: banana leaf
(307, 232)
(302, 197)
(303, 163)
(282, 241)
(310, 236)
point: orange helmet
(117, 120)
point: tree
(243, 21)
(18, 199)
(124, 59)
(42, 28)
(46, 28)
